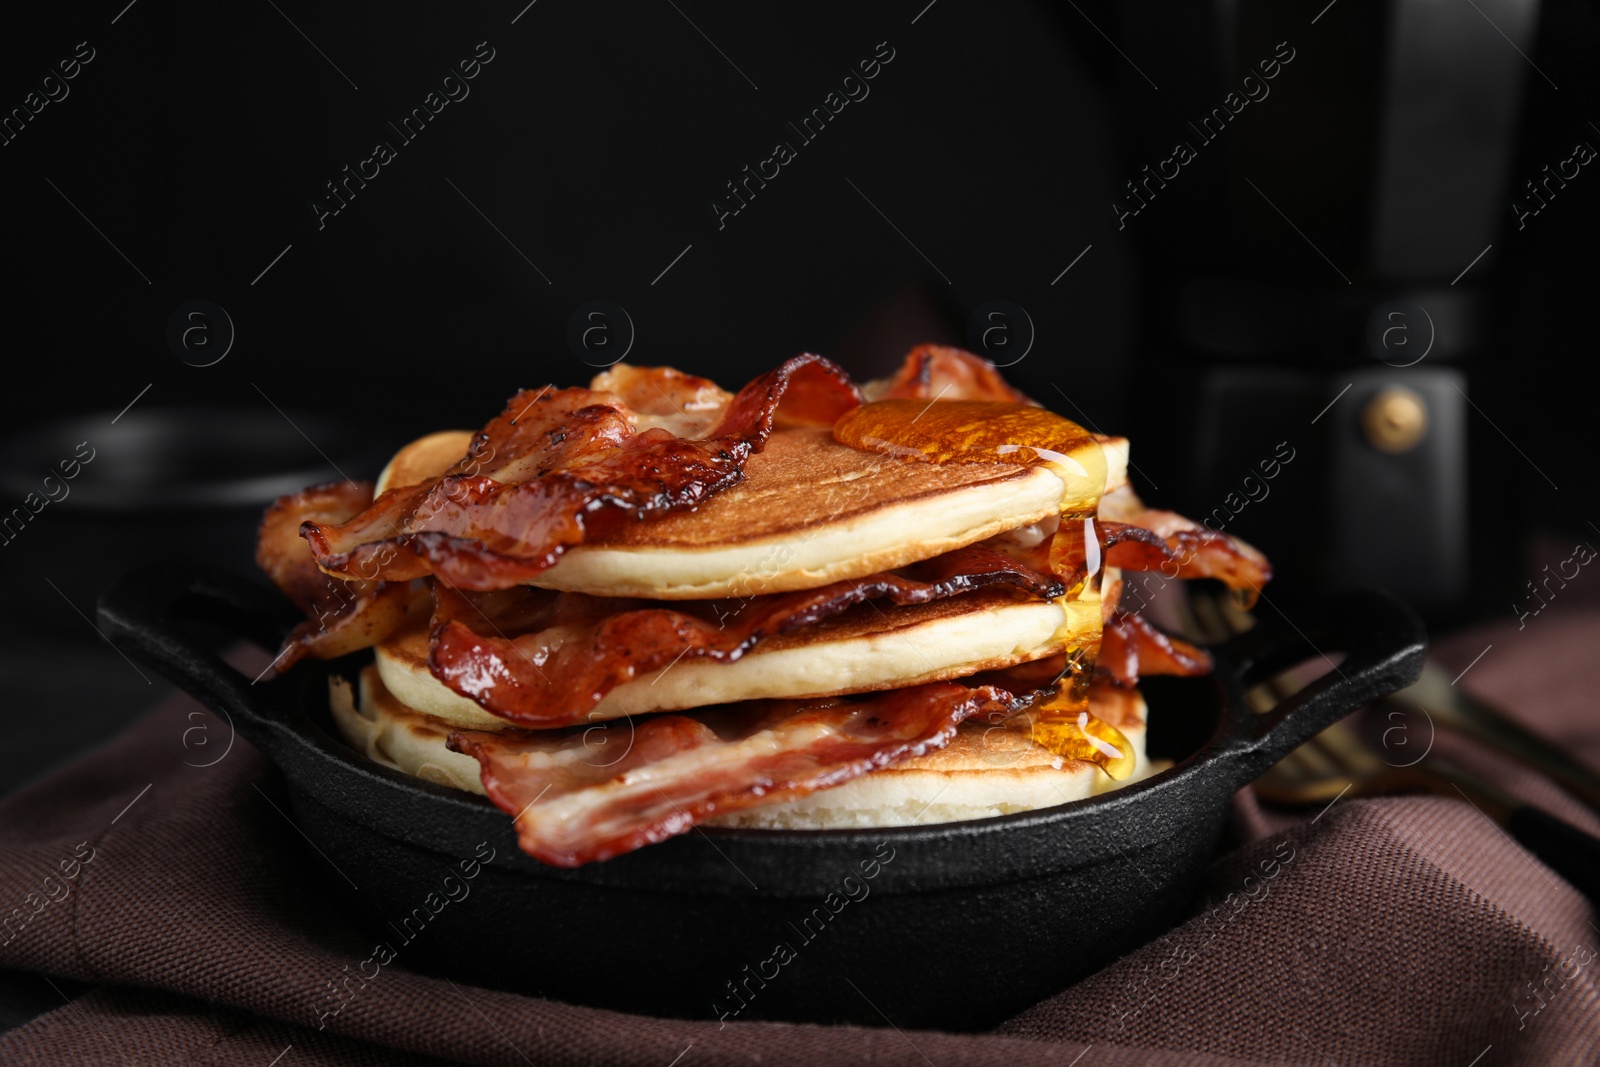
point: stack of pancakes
(809, 512)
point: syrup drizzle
(985, 431)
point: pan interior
(1183, 716)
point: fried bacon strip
(544, 659)
(557, 465)
(576, 802)
(1138, 538)
(665, 398)
(345, 615)
(1131, 647)
(938, 372)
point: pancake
(869, 647)
(809, 511)
(984, 771)
(383, 729)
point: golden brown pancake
(869, 647)
(809, 511)
(986, 770)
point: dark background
(1216, 323)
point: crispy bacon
(665, 398)
(1138, 538)
(938, 372)
(1134, 548)
(1030, 680)
(576, 802)
(558, 465)
(1131, 647)
(544, 659)
(346, 615)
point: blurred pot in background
(83, 499)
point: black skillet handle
(146, 615)
(1383, 643)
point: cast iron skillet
(961, 925)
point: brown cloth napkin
(1392, 931)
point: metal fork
(1337, 761)
(1438, 698)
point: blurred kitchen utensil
(1447, 704)
(1337, 761)
(82, 496)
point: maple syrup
(988, 431)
